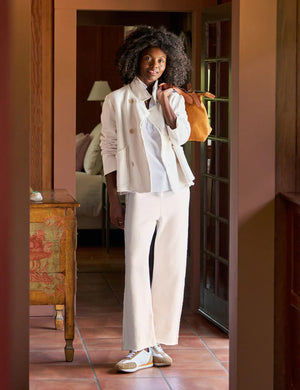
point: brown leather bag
(197, 114)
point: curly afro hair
(129, 54)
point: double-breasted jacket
(122, 143)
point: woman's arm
(108, 137)
(174, 113)
(163, 93)
(108, 145)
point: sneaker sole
(162, 364)
(148, 365)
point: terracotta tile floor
(200, 359)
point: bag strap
(192, 97)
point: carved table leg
(69, 324)
(59, 319)
(69, 306)
(70, 288)
(69, 329)
(69, 350)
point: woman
(144, 125)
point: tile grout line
(165, 379)
(206, 346)
(109, 285)
(88, 356)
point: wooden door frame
(14, 176)
(242, 360)
(252, 208)
(41, 129)
(287, 171)
(65, 70)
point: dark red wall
(96, 50)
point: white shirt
(152, 141)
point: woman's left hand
(163, 91)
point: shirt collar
(140, 89)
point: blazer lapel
(154, 114)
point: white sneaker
(136, 360)
(160, 358)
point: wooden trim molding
(286, 96)
(47, 95)
(287, 171)
(41, 94)
(298, 95)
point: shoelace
(131, 354)
(158, 348)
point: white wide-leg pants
(152, 313)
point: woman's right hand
(117, 213)
(116, 209)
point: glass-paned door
(215, 158)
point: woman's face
(152, 65)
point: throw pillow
(82, 143)
(92, 163)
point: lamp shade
(99, 90)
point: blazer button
(131, 131)
(132, 163)
(131, 100)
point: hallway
(200, 361)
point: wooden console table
(52, 258)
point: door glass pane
(210, 196)
(210, 273)
(211, 113)
(223, 200)
(223, 240)
(211, 80)
(212, 40)
(225, 38)
(222, 285)
(210, 234)
(224, 79)
(223, 160)
(223, 119)
(210, 157)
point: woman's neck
(150, 88)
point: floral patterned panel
(46, 273)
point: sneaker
(160, 358)
(135, 360)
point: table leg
(69, 332)
(69, 350)
(59, 319)
(70, 292)
(69, 310)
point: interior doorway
(99, 34)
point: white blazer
(122, 144)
